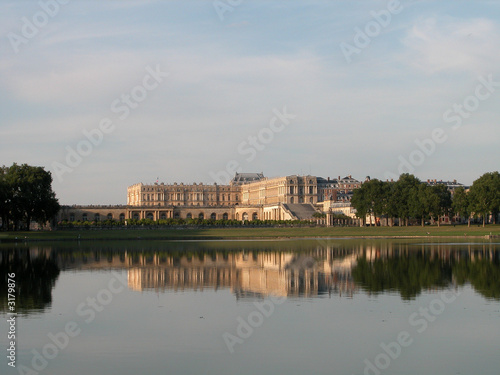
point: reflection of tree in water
(406, 274)
(35, 278)
(483, 274)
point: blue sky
(226, 76)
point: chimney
(454, 181)
(339, 178)
(350, 176)
(428, 180)
(392, 180)
(328, 178)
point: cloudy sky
(186, 91)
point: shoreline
(491, 232)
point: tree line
(26, 196)
(409, 198)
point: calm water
(259, 307)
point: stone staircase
(301, 211)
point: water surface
(254, 307)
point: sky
(106, 94)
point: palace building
(248, 196)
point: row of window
(180, 189)
(147, 197)
(301, 190)
(163, 216)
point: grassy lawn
(228, 233)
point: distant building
(451, 185)
(245, 178)
(248, 196)
(339, 190)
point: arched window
(163, 216)
(110, 216)
(189, 216)
(213, 216)
(72, 217)
(84, 217)
(224, 216)
(201, 216)
(97, 217)
(149, 216)
(136, 216)
(244, 216)
(291, 200)
(122, 217)
(254, 216)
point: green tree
(485, 196)
(376, 197)
(438, 201)
(420, 202)
(404, 192)
(461, 203)
(389, 204)
(4, 197)
(360, 202)
(30, 191)
(370, 199)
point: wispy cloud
(445, 44)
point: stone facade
(337, 189)
(289, 189)
(160, 195)
(249, 196)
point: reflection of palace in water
(245, 273)
(324, 269)
(248, 274)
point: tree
(370, 199)
(461, 203)
(376, 197)
(404, 192)
(359, 201)
(438, 201)
(485, 196)
(4, 197)
(29, 192)
(389, 204)
(420, 202)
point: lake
(316, 306)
